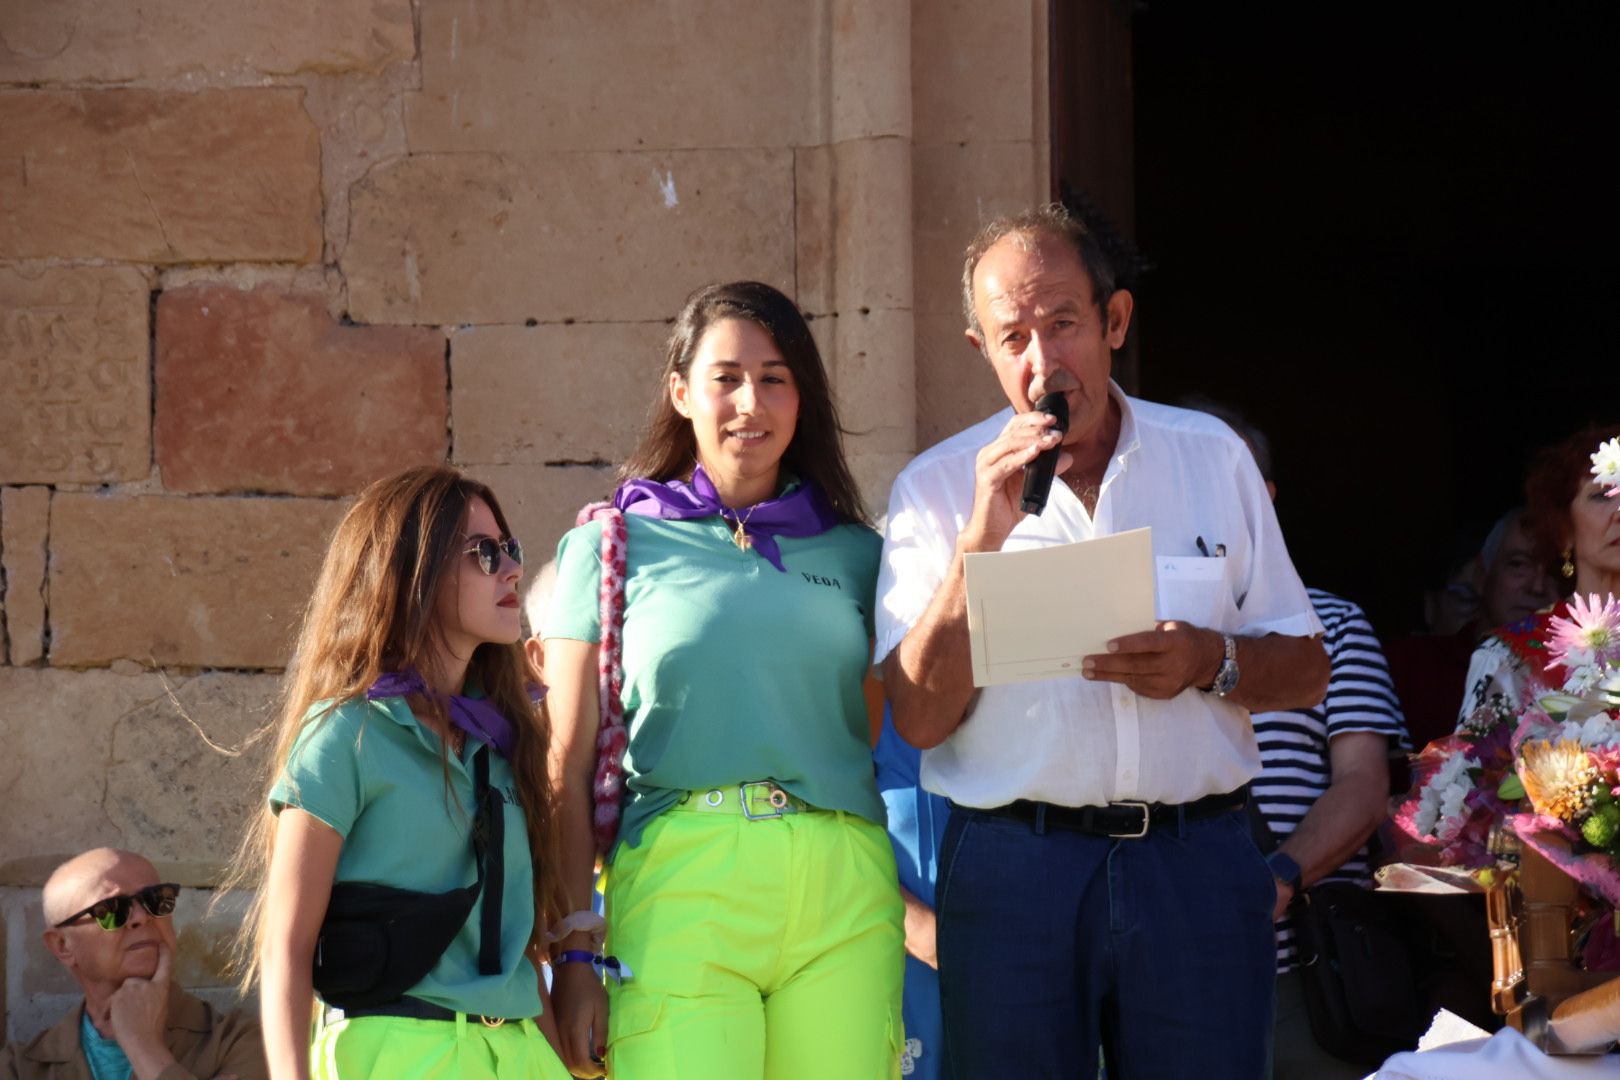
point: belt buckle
(774, 796)
(492, 1021)
(1143, 831)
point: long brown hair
(373, 611)
(669, 449)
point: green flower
(1600, 830)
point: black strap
(489, 848)
(1260, 828)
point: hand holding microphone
(1038, 474)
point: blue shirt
(916, 825)
(105, 1057)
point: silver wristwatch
(1226, 676)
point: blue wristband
(1285, 869)
(575, 956)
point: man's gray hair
(1027, 229)
(1491, 549)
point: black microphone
(1038, 473)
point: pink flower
(1590, 637)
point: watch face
(1226, 678)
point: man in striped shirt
(1323, 786)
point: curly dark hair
(1557, 474)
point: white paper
(1034, 614)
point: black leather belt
(410, 1008)
(1121, 820)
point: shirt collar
(399, 711)
(60, 1043)
(1129, 441)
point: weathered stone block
(954, 384)
(874, 474)
(853, 218)
(540, 502)
(362, 121)
(594, 237)
(159, 177)
(565, 76)
(261, 391)
(59, 734)
(531, 395)
(815, 236)
(73, 359)
(149, 762)
(870, 69)
(181, 780)
(178, 581)
(958, 189)
(25, 515)
(869, 359)
(90, 41)
(974, 70)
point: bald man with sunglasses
(108, 919)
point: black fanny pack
(378, 941)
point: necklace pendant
(740, 536)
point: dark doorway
(1385, 235)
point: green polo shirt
(373, 773)
(733, 670)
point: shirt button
(1128, 775)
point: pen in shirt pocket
(1220, 549)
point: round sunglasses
(113, 912)
(488, 550)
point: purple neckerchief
(476, 716)
(801, 512)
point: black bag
(1361, 993)
(1360, 988)
(378, 941)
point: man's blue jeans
(1053, 943)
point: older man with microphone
(1098, 886)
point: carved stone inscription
(76, 403)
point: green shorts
(760, 950)
(398, 1048)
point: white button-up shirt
(1075, 742)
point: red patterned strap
(1527, 640)
(607, 790)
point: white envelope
(1035, 614)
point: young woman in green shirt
(751, 898)
(407, 729)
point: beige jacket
(205, 1043)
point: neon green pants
(397, 1048)
(761, 950)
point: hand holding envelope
(1087, 609)
(1035, 614)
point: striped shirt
(1294, 764)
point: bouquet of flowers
(1455, 800)
(1559, 746)
(1567, 750)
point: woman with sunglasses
(752, 903)
(407, 794)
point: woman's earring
(1568, 569)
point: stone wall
(251, 260)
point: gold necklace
(739, 534)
